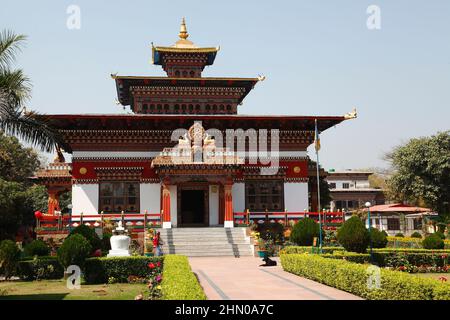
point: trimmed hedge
(303, 249)
(179, 282)
(353, 278)
(348, 256)
(381, 257)
(100, 270)
(40, 268)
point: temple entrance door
(193, 207)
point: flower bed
(179, 282)
(353, 278)
(117, 269)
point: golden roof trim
(115, 76)
(190, 50)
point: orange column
(228, 197)
(166, 223)
(53, 202)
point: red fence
(330, 220)
(47, 224)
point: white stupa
(120, 242)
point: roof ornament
(183, 30)
(261, 77)
(351, 115)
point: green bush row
(348, 256)
(179, 282)
(302, 249)
(40, 268)
(354, 278)
(100, 270)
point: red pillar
(166, 223)
(228, 197)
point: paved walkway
(225, 278)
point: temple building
(186, 155)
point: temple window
(145, 107)
(116, 197)
(262, 195)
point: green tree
(325, 195)
(422, 172)
(15, 90)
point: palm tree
(15, 90)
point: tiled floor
(225, 278)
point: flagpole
(317, 147)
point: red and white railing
(136, 222)
(330, 220)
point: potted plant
(149, 249)
(263, 248)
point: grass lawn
(57, 290)
(435, 276)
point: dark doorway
(192, 208)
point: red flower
(151, 265)
(158, 264)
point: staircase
(206, 242)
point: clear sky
(319, 58)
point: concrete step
(213, 241)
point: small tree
(304, 232)
(353, 235)
(433, 241)
(379, 239)
(89, 234)
(74, 250)
(9, 256)
(36, 248)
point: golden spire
(183, 30)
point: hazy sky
(319, 58)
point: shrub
(379, 239)
(89, 234)
(416, 234)
(100, 270)
(353, 235)
(440, 234)
(74, 250)
(304, 232)
(270, 230)
(353, 278)
(9, 256)
(106, 244)
(40, 268)
(400, 235)
(37, 248)
(179, 282)
(433, 241)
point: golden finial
(351, 115)
(183, 30)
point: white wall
(213, 205)
(150, 194)
(85, 199)
(173, 205)
(238, 194)
(296, 196)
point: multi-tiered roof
(184, 90)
